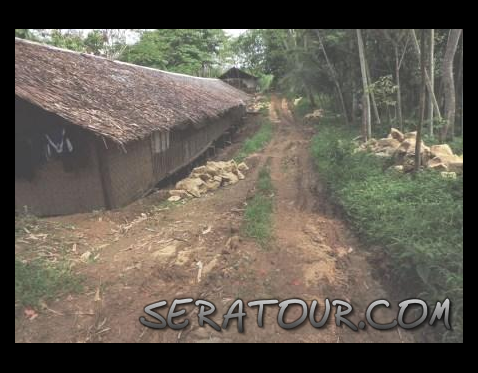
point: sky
(235, 32)
(132, 38)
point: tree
(449, 83)
(95, 42)
(249, 51)
(372, 94)
(109, 43)
(418, 143)
(396, 39)
(67, 38)
(431, 92)
(460, 85)
(432, 79)
(366, 97)
(334, 77)
(300, 67)
(24, 33)
(188, 51)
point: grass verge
(419, 221)
(258, 215)
(39, 280)
(256, 142)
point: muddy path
(153, 255)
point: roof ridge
(88, 55)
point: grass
(41, 281)
(265, 82)
(256, 142)
(456, 145)
(36, 278)
(164, 205)
(417, 220)
(258, 215)
(24, 223)
(304, 105)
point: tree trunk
(354, 105)
(366, 97)
(399, 93)
(372, 94)
(432, 79)
(353, 84)
(460, 86)
(449, 83)
(436, 108)
(423, 91)
(310, 95)
(365, 119)
(334, 78)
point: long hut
(240, 79)
(92, 133)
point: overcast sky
(235, 32)
(132, 37)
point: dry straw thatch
(120, 101)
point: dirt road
(155, 257)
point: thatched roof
(120, 101)
(235, 73)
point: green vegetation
(258, 215)
(188, 51)
(24, 223)
(419, 220)
(36, 278)
(40, 280)
(265, 82)
(304, 106)
(456, 145)
(200, 52)
(256, 142)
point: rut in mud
(312, 256)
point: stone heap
(401, 149)
(208, 178)
(314, 117)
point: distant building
(240, 79)
(92, 133)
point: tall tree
(431, 92)
(372, 95)
(366, 97)
(298, 73)
(449, 84)
(432, 79)
(334, 77)
(395, 38)
(418, 143)
(188, 51)
(109, 43)
(24, 33)
(460, 85)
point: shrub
(265, 82)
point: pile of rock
(208, 178)
(314, 117)
(255, 105)
(401, 149)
